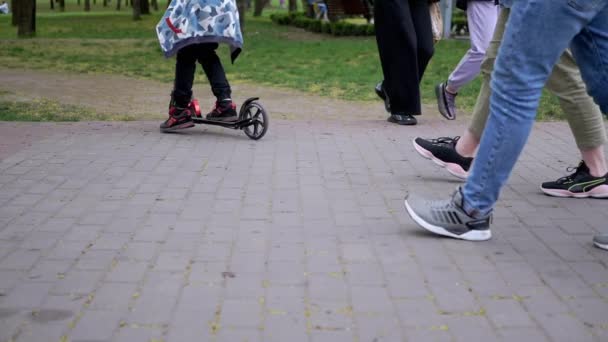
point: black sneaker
(580, 184)
(223, 111)
(381, 92)
(442, 151)
(179, 118)
(402, 119)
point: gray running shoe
(448, 218)
(446, 102)
(601, 241)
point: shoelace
(445, 140)
(571, 177)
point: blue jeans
(537, 33)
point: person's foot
(442, 151)
(446, 101)
(179, 118)
(448, 218)
(223, 111)
(601, 241)
(580, 184)
(381, 92)
(402, 119)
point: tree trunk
(94, 2)
(242, 7)
(258, 7)
(293, 5)
(169, 3)
(155, 4)
(62, 5)
(145, 6)
(78, 2)
(105, 3)
(15, 7)
(27, 18)
(136, 9)
(52, 4)
(87, 5)
(118, 5)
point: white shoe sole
(473, 235)
(600, 245)
(454, 169)
(597, 192)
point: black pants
(185, 68)
(405, 43)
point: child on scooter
(192, 29)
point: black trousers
(185, 68)
(405, 44)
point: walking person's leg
(397, 47)
(425, 47)
(583, 116)
(591, 46)
(481, 17)
(530, 49)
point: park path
(111, 231)
(146, 99)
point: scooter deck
(228, 124)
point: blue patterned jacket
(189, 22)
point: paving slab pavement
(115, 232)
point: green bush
(315, 26)
(340, 28)
(459, 22)
(325, 27)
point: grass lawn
(49, 110)
(107, 41)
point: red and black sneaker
(223, 111)
(179, 118)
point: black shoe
(402, 119)
(223, 111)
(580, 184)
(446, 101)
(442, 151)
(381, 92)
(179, 118)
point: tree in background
(52, 4)
(87, 5)
(118, 5)
(15, 7)
(155, 4)
(258, 6)
(293, 5)
(145, 6)
(26, 22)
(136, 9)
(241, 5)
(62, 5)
